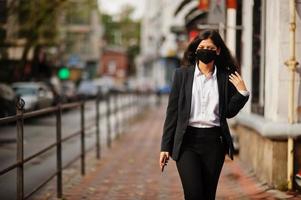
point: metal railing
(136, 101)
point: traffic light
(64, 73)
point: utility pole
(292, 65)
(231, 26)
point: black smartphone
(164, 161)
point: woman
(195, 133)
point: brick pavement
(130, 171)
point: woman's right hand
(161, 161)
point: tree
(38, 23)
(122, 30)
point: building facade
(81, 36)
(258, 34)
(114, 63)
(263, 125)
(159, 56)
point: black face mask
(205, 55)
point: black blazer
(179, 105)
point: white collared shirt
(204, 110)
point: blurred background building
(40, 37)
(80, 36)
(115, 64)
(264, 126)
(159, 51)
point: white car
(36, 95)
(87, 90)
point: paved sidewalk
(130, 171)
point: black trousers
(200, 162)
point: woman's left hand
(237, 81)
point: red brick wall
(114, 63)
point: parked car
(7, 100)
(37, 95)
(87, 90)
(104, 85)
(164, 89)
(69, 91)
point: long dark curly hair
(224, 60)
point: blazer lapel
(188, 87)
(221, 82)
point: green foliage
(110, 29)
(39, 23)
(38, 20)
(78, 12)
(122, 30)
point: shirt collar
(197, 71)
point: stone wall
(268, 158)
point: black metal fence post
(20, 148)
(132, 109)
(108, 121)
(82, 111)
(98, 144)
(138, 102)
(59, 151)
(124, 111)
(129, 109)
(121, 112)
(116, 115)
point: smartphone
(164, 161)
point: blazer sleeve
(236, 100)
(170, 123)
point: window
(112, 66)
(258, 56)
(3, 11)
(239, 44)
